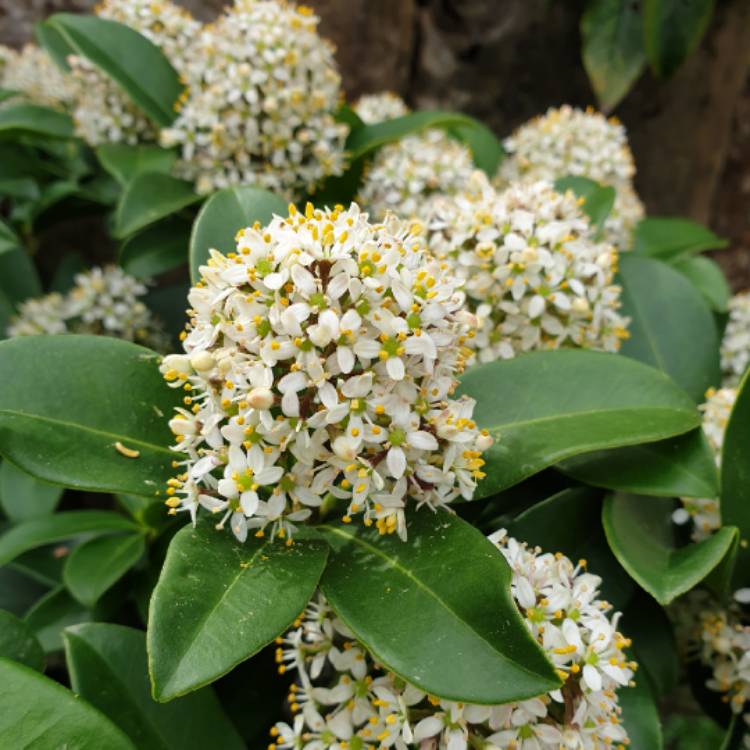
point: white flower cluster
(374, 108)
(342, 700)
(704, 512)
(569, 141)
(103, 111)
(103, 301)
(263, 87)
(534, 274)
(403, 175)
(320, 361)
(35, 77)
(735, 346)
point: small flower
(735, 346)
(32, 73)
(374, 108)
(40, 315)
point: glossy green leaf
(683, 466)
(673, 30)
(23, 497)
(485, 146)
(735, 478)
(32, 119)
(640, 532)
(640, 715)
(67, 401)
(107, 665)
(671, 327)
(708, 278)
(41, 714)
(148, 197)
(136, 64)
(449, 578)
(70, 265)
(544, 407)
(54, 44)
(158, 248)
(126, 162)
(37, 532)
(96, 565)
(224, 214)
(19, 591)
(597, 199)
(19, 280)
(9, 240)
(669, 238)
(218, 602)
(18, 642)
(54, 612)
(612, 48)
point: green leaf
(683, 466)
(95, 566)
(19, 591)
(135, 63)
(484, 145)
(23, 497)
(126, 162)
(671, 327)
(157, 248)
(673, 30)
(9, 240)
(107, 665)
(41, 714)
(70, 265)
(32, 119)
(447, 577)
(612, 48)
(218, 602)
(54, 612)
(54, 44)
(57, 527)
(224, 214)
(597, 199)
(670, 238)
(640, 532)
(735, 478)
(708, 278)
(640, 715)
(148, 197)
(19, 280)
(544, 407)
(67, 401)
(18, 642)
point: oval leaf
(449, 576)
(135, 63)
(62, 421)
(54, 612)
(218, 602)
(107, 665)
(485, 146)
(125, 162)
(671, 326)
(157, 248)
(31, 119)
(640, 533)
(42, 714)
(544, 407)
(597, 199)
(23, 497)
(708, 278)
(224, 214)
(18, 642)
(94, 566)
(668, 238)
(640, 715)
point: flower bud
(202, 361)
(260, 398)
(178, 362)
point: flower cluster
(103, 301)
(373, 108)
(403, 175)
(263, 87)
(343, 699)
(735, 346)
(568, 141)
(103, 111)
(704, 512)
(320, 362)
(534, 274)
(32, 73)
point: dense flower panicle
(373, 108)
(735, 346)
(320, 362)
(704, 512)
(263, 87)
(343, 700)
(33, 74)
(534, 274)
(104, 301)
(569, 141)
(104, 113)
(403, 175)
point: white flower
(321, 359)
(569, 141)
(735, 346)
(342, 695)
(535, 275)
(33, 74)
(263, 87)
(374, 108)
(40, 315)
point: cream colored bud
(581, 305)
(484, 442)
(203, 361)
(261, 398)
(344, 448)
(177, 362)
(180, 426)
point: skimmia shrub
(351, 427)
